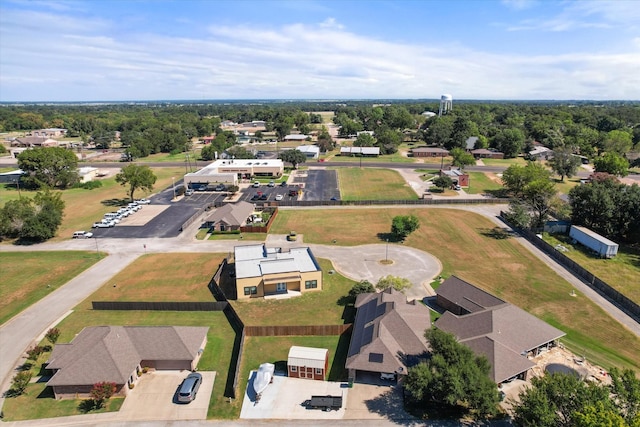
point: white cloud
(75, 59)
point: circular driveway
(367, 262)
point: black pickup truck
(326, 403)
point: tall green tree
(618, 141)
(532, 189)
(461, 158)
(295, 157)
(403, 225)
(453, 376)
(510, 141)
(564, 162)
(364, 140)
(612, 163)
(137, 177)
(53, 167)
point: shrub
(20, 382)
(34, 352)
(361, 287)
(101, 392)
(52, 335)
(89, 185)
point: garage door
(172, 365)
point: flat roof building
(229, 171)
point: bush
(52, 335)
(34, 352)
(89, 185)
(226, 232)
(361, 287)
(20, 382)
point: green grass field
(622, 272)
(468, 246)
(505, 162)
(373, 184)
(28, 277)
(483, 183)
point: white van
(82, 235)
(111, 215)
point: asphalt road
(321, 184)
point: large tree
(294, 157)
(612, 163)
(564, 162)
(461, 158)
(608, 207)
(510, 141)
(453, 376)
(137, 177)
(33, 220)
(532, 189)
(403, 225)
(53, 167)
(364, 140)
(565, 400)
(395, 282)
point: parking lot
(321, 184)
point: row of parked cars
(112, 218)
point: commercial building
(229, 171)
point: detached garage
(308, 362)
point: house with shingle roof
(505, 334)
(429, 152)
(388, 334)
(228, 217)
(118, 353)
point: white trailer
(592, 240)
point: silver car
(189, 387)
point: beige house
(118, 353)
(262, 271)
(229, 217)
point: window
(294, 369)
(318, 371)
(310, 284)
(251, 290)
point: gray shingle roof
(232, 213)
(502, 332)
(112, 353)
(386, 329)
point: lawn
(480, 182)
(621, 272)
(84, 207)
(47, 271)
(505, 162)
(373, 184)
(565, 186)
(259, 237)
(163, 277)
(302, 310)
(258, 350)
(502, 266)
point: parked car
(283, 184)
(135, 207)
(457, 188)
(255, 197)
(220, 187)
(293, 193)
(189, 192)
(144, 201)
(256, 184)
(279, 197)
(293, 236)
(82, 235)
(107, 224)
(271, 184)
(264, 197)
(189, 388)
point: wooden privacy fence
(283, 331)
(159, 306)
(600, 286)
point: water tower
(446, 104)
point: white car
(279, 197)
(104, 224)
(82, 235)
(143, 201)
(134, 207)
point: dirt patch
(493, 177)
(562, 356)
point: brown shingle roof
(112, 353)
(501, 331)
(466, 295)
(232, 213)
(387, 328)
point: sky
(126, 50)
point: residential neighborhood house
(262, 271)
(360, 151)
(388, 335)
(429, 152)
(118, 353)
(504, 333)
(229, 217)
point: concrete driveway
(154, 398)
(284, 397)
